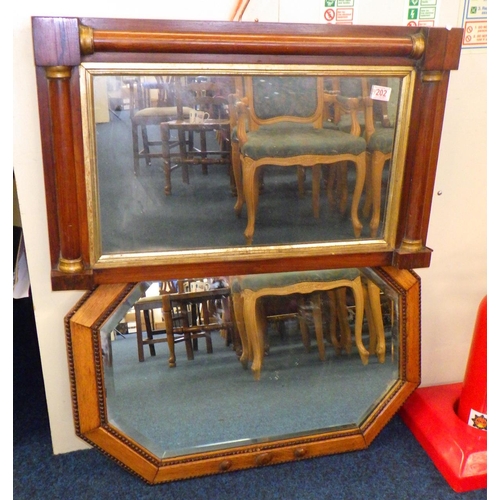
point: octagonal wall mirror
(182, 378)
(277, 147)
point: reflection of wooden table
(188, 154)
(195, 326)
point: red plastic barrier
(450, 421)
(472, 408)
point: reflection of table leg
(205, 315)
(333, 309)
(138, 329)
(304, 332)
(240, 327)
(203, 147)
(343, 318)
(318, 324)
(316, 185)
(337, 191)
(167, 165)
(183, 152)
(169, 327)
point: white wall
(452, 287)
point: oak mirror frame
(71, 53)
(165, 421)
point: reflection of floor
(136, 214)
(213, 399)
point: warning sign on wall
(337, 11)
(421, 12)
(474, 23)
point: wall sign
(421, 12)
(474, 22)
(337, 11)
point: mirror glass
(167, 162)
(207, 399)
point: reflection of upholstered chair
(380, 143)
(376, 127)
(247, 292)
(152, 101)
(280, 123)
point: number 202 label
(380, 93)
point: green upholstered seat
(295, 141)
(381, 140)
(257, 282)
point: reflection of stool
(246, 290)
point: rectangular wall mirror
(166, 184)
(176, 147)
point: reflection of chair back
(152, 101)
(209, 97)
(293, 100)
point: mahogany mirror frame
(86, 365)
(62, 44)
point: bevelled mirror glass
(174, 155)
(298, 363)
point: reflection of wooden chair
(152, 101)
(149, 320)
(207, 97)
(280, 123)
(251, 322)
(196, 319)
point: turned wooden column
(58, 77)
(412, 239)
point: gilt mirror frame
(62, 45)
(87, 366)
